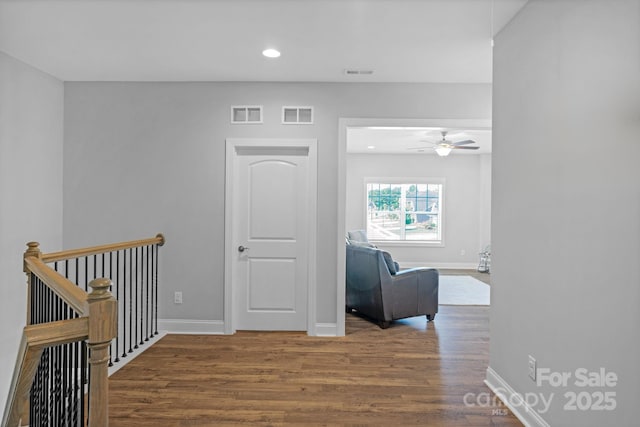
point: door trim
(232, 146)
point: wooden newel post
(33, 250)
(103, 327)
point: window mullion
(403, 212)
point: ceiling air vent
(246, 114)
(357, 72)
(297, 115)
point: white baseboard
(326, 330)
(443, 265)
(216, 327)
(135, 353)
(189, 326)
(513, 400)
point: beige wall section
(151, 155)
(31, 138)
(565, 283)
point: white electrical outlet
(177, 297)
(532, 368)
(463, 252)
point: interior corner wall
(466, 220)
(143, 158)
(31, 145)
(565, 284)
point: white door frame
(232, 145)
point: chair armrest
(415, 291)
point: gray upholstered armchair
(377, 290)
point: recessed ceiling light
(371, 147)
(271, 53)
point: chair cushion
(357, 236)
(363, 244)
(390, 264)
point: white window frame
(297, 108)
(246, 108)
(409, 180)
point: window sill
(409, 243)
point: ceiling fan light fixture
(443, 151)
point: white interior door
(270, 246)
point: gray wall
(142, 158)
(566, 200)
(466, 214)
(31, 138)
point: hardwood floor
(414, 373)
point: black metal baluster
(44, 411)
(65, 377)
(32, 296)
(151, 291)
(124, 303)
(59, 362)
(117, 283)
(35, 396)
(146, 287)
(111, 278)
(86, 273)
(130, 300)
(49, 384)
(142, 312)
(135, 281)
(77, 271)
(83, 378)
(75, 364)
(155, 271)
(47, 306)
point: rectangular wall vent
(246, 114)
(297, 115)
(357, 72)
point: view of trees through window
(404, 211)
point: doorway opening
(394, 152)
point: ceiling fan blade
(419, 148)
(457, 147)
(465, 142)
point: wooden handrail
(35, 338)
(95, 250)
(96, 325)
(69, 292)
(57, 333)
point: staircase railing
(67, 346)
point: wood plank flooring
(414, 373)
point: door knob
(242, 248)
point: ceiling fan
(444, 146)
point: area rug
(462, 290)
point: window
(246, 114)
(297, 115)
(405, 211)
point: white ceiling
(222, 40)
(405, 140)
